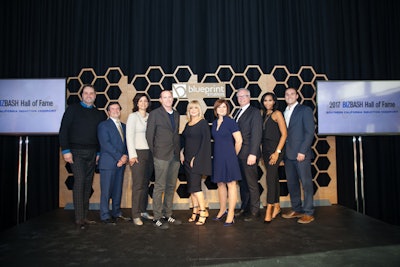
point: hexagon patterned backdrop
(115, 86)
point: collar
(115, 120)
(85, 106)
(245, 107)
(292, 106)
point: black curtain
(345, 39)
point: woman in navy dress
(196, 158)
(226, 172)
(273, 140)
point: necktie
(237, 115)
(119, 127)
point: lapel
(294, 114)
(115, 129)
(245, 114)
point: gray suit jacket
(163, 140)
(300, 133)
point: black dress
(197, 144)
(270, 141)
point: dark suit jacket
(300, 133)
(250, 125)
(163, 140)
(111, 146)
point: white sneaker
(146, 216)
(137, 221)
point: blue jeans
(166, 173)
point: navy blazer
(300, 133)
(250, 125)
(111, 146)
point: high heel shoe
(206, 213)
(229, 223)
(222, 216)
(194, 214)
(274, 214)
(266, 222)
(202, 218)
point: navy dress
(225, 165)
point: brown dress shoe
(292, 214)
(306, 219)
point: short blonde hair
(194, 103)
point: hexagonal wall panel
(113, 85)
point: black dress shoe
(80, 225)
(87, 221)
(122, 218)
(240, 213)
(252, 217)
(108, 222)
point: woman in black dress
(274, 137)
(196, 158)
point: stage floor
(338, 237)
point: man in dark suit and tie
(250, 124)
(162, 136)
(113, 157)
(298, 155)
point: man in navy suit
(250, 124)
(113, 157)
(298, 155)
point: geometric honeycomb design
(114, 86)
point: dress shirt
(241, 111)
(288, 113)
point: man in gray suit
(162, 135)
(298, 155)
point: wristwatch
(279, 151)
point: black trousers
(249, 188)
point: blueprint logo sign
(198, 90)
(179, 90)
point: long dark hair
(275, 107)
(136, 101)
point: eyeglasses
(242, 96)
